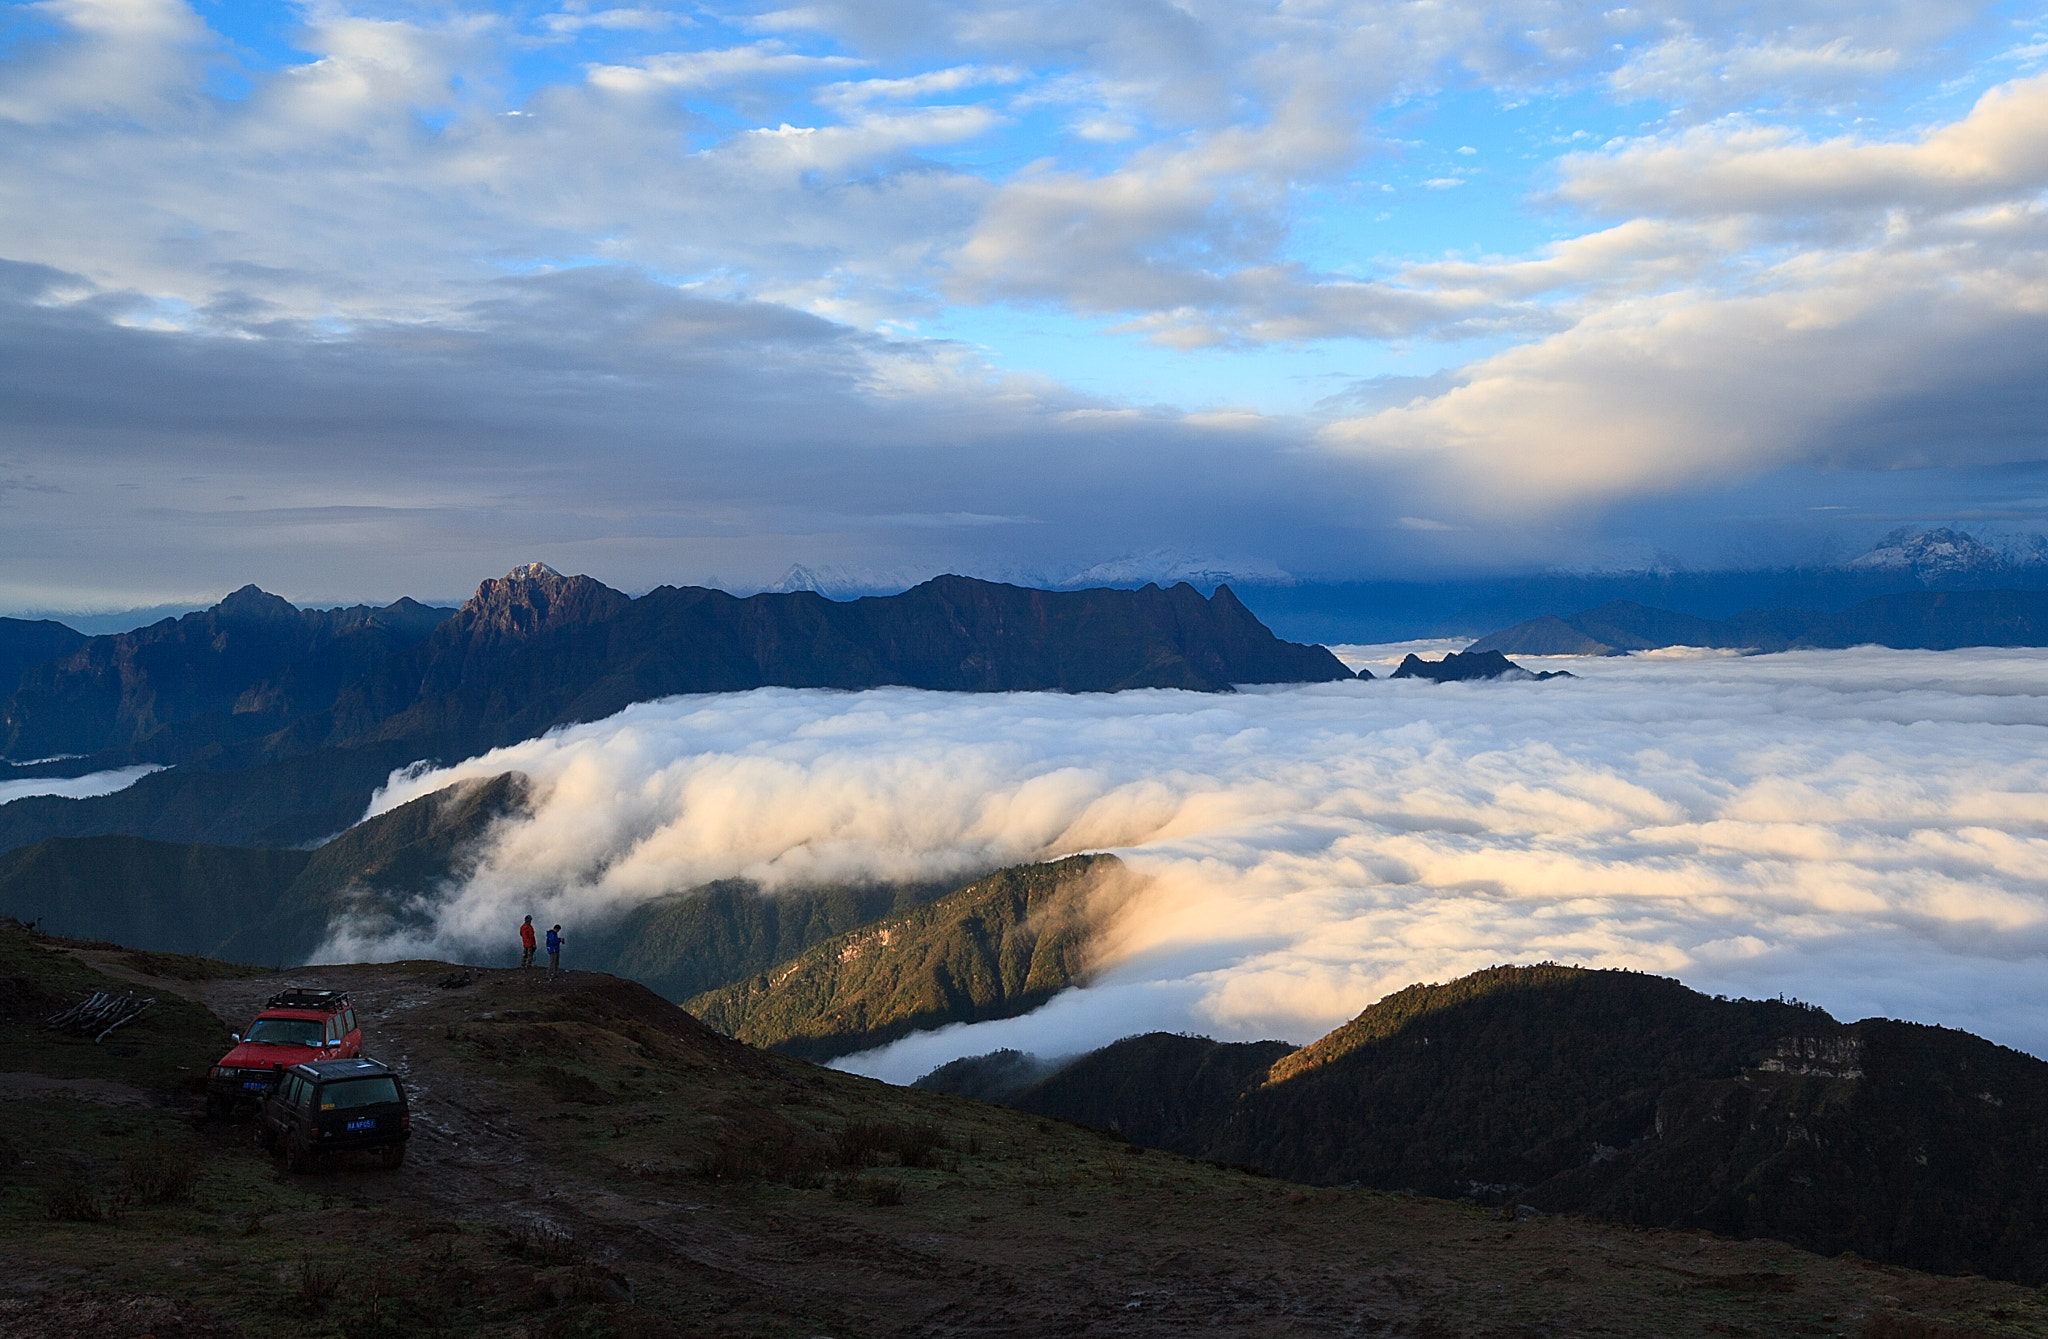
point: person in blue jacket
(554, 950)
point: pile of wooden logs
(98, 1015)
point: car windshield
(286, 1031)
(358, 1093)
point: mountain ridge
(1907, 620)
(284, 742)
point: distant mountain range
(278, 722)
(1612, 1094)
(1918, 620)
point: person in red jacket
(526, 942)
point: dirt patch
(19, 1087)
(101, 1316)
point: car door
(352, 1036)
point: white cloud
(76, 787)
(713, 69)
(1704, 75)
(1999, 151)
(1865, 829)
(1186, 174)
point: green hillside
(157, 895)
(1627, 1097)
(688, 943)
(999, 947)
(249, 904)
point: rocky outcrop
(1466, 666)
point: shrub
(315, 1282)
(866, 1143)
(68, 1199)
(779, 1155)
(159, 1174)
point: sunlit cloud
(1865, 829)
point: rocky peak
(535, 598)
(252, 602)
(1932, 554)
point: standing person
(554, 951)
(526, 942)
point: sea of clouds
(1864, 829)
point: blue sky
(361, 299)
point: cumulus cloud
(1865, 829)
(1997, 152)
(1783, 303)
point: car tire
(216, 1107)
(393, 1156)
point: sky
(1865, 830)
(358, 300)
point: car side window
(334, 1027)
(348, 1021)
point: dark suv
(324, 1107)
(297, 1024)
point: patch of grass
(162, 1051)
(541, 1244)
(186, 967)
(880, 1191)
(161, 1173)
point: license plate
(254, 1087)
(367, 1123)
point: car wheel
(297, 1155)
(394, 1155)
(216, 1107)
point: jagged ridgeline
(997, 948)
(279, 723)
(1619, 1095)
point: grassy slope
(592, 1162)
(1001, 946)
(251, 903)
(689, 943)
(160, 894)
(1627, 1096)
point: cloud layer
(1864, 829)
(344, 280)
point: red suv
(297, 1025)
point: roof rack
(299, 997)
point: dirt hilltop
(590, 1160)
